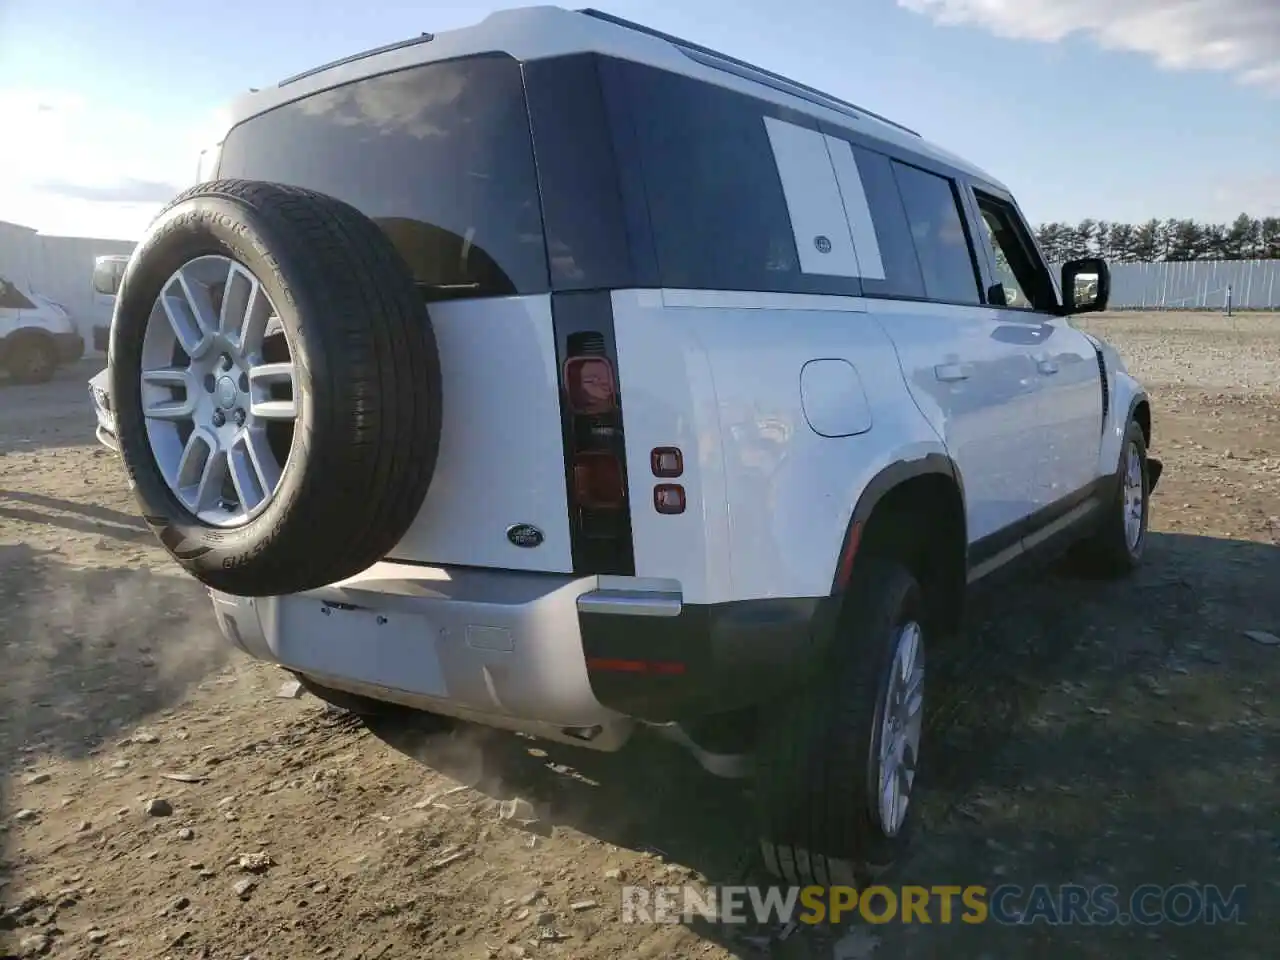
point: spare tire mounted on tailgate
(277, 387)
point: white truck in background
(37, 335)
(107, 271)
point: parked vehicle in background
(37, 334)
(107, 271)
(566, 377)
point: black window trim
(1005, 200)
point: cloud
(1239, 37)
(1259, 196)
(80, 163)
(125, 190)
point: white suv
(563, 376)
(36, 334)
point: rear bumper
(704, 659)
(535, 652)
(101, 337)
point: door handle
(951, 372)
(1047, 366)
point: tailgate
(501, 462)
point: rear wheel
(837, 769)
(32, 359)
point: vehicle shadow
(47, 416)
(73, 515)
(1081, 732)
(91, 650)
(89, 653)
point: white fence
(1196, 285)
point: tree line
(1247, 238)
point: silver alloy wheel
(209, 394)
(1133, 497)
(900, 723)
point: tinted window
(941, 240)
(581, 204)
(11, 298)
(902, 276)
(438, 155)
(716, 205)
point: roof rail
(398, 45)
(748, 71)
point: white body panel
(501, 459)
(813, 200)
(769, 498)
(1070, 412)
(10, 320)
(495, 646)
(43, 314)
(1123, 389)
(971, 372)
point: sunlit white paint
(501, 459)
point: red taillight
(668, 498)
(597, 481)
(591, 386)
(666, 462)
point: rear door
(440, 156)
(968, 368)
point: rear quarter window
(717, 208)
(438, 155)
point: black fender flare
(892, 476)
(1138, 399)
(1155, 467)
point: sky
(1117, 110)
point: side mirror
(1086, 285)
(107, 272)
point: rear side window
(717, 206)
(438, 155)
(941, 239)
(902, 277)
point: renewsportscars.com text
(1007, 904)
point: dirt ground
(1081, 733)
